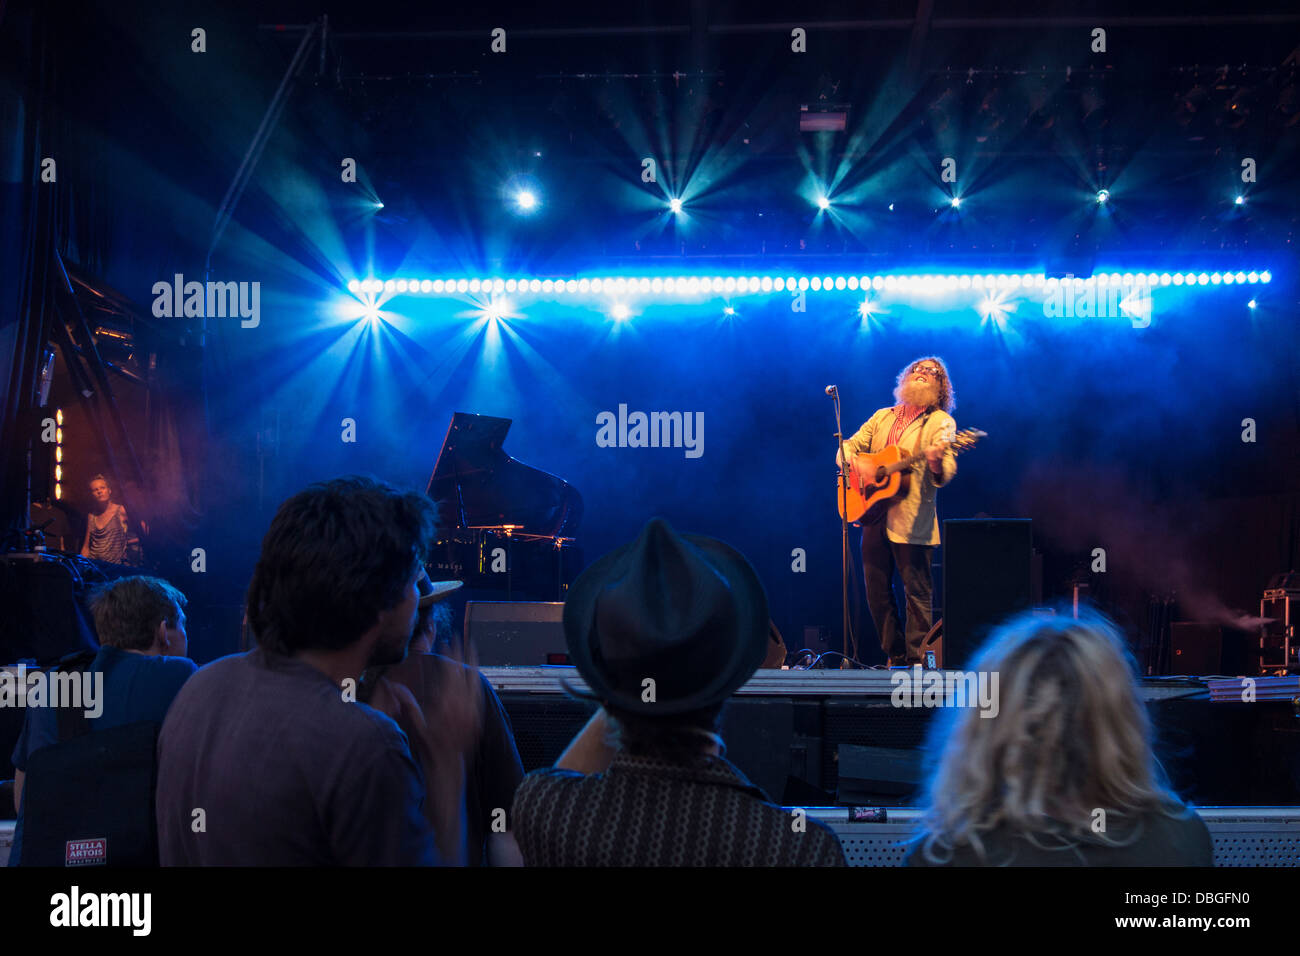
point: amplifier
(516, 633)
(987, 576)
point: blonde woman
(1064, 774)
(108, 535)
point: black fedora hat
(431, 592)
(683, 610)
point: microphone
(831, 389)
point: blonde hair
(1070, 737)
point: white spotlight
(675, 205)
(1103, 196)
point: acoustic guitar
(868, 484)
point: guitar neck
(911, 460)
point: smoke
(1155, 547)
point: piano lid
(476, 484)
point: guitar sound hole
(880, 475)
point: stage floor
(810, 683)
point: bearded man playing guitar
(908, 531)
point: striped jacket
(644, 811)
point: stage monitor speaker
(869, 773)
(516, 633)
(987, 571)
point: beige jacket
(913, 518)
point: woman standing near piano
(904, 540)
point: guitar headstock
(966, 438)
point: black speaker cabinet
(987, 568)
(516, 633)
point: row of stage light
(527, 202)
(742, 285)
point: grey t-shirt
(285, 772)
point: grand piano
(503, 526)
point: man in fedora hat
(412, 694)
(663, 630)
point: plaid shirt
(644, 811)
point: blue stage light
(1251, 304)
(735, 286)
(1240, 200)
(525, 200)
(1103, 196)
(675, 205)
(955, 202)
(823, 202)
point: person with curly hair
(1063, 773)
(919, 421)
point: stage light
(58, 492)
(58, 472)
(619, 312)
(497, 309)
(955, 202)
(728, 311)
(58, 416)
(891, 207)
(993, 309)
(1240, 200)
(1103, 196)
(675, 205)
(378, 204)
(1251, 304)
(525, 200)
(58, 454)
(823, 202)
(731, 287)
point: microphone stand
(845, 561)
